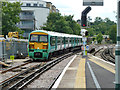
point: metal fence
(16, 48)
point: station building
(34, 14)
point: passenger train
(44, 44)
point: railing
(26, 26)
(27, 17)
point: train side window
(58, 40)
(70, 40)
(66, 40)
(81, 40)
(78, 41)
(73, 40)
(52, 41)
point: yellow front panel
(37, 45)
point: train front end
(38, 45)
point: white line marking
(104, 60)
(93, 76)
(65, 69)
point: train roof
(57, 34)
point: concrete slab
(67, 83)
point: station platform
(88, 72)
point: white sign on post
(84, 39)
(92, 2)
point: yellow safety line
(104, 66)
(80, 77)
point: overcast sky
(75, 7)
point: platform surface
(89, 72)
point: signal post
(84, 32)
(117, 51)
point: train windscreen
(39, 38)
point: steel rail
(51, 85)
(13, 78)
(97, 51)
(15, 67)
(26, 80)
(106, 55)
(111, 53)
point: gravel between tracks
(48, 77)
(18, 70)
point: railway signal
(84, 32)
(84, 17)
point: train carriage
(43, 44)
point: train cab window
(43, 38)
(52, 41)
(34, 38)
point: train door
(52, 43)
(68, 42)
(58, 43)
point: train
(44, 44)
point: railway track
(12, 80)
(19, 81)
(10, 69)
(107, 55)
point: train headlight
(31, 46)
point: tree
(10, 17)
(64, 24)
(113, 33)
(103, 26)
(91, 31)
(98, 20)
(99, 38)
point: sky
(75, 7)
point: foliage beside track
(10, 17)
(63, 24)
(104, 27)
